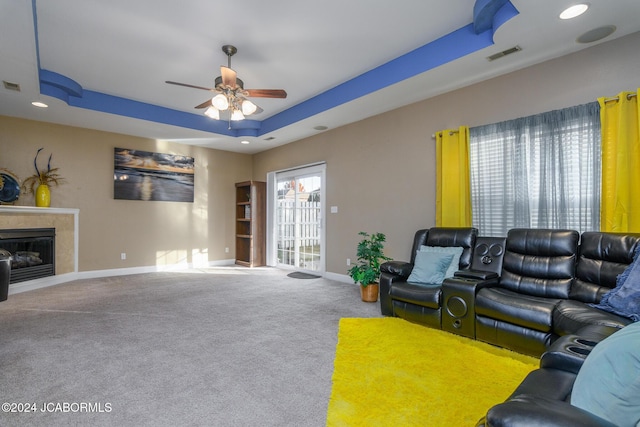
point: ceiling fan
(231, 94)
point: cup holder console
(579, 350)
(568, 353)
(586, 342)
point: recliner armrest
(397, 268)
(476, 282)
(527, 410)
(562, 359)
(476, 274)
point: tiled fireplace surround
(65, 221)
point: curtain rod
(451, 132)
(617, 98)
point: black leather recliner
(545, 285)
(602, 258)
(419, 303)
(537, 271)
(544, 396)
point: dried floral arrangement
(50, 177)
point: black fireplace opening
(32, 252)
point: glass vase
(43, 196)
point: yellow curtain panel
(620, 206)
(453, 182)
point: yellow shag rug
(390, 372)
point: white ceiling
(128, 49)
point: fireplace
(32, 251)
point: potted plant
(367, 270)
(40, 182)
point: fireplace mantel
(66, 230)
(35, 210)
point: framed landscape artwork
(143, 175)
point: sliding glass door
(298, 219)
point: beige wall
(381, 171)
(150, 233)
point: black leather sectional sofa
(521, 292)
(530, 292)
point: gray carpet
(211, 347)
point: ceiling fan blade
(266, 93)
(205, 104)
(228, 77)
(191, 86)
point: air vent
(504, 53)
(11, 86)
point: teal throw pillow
(456, 251)
(608, 383)
(429, 268)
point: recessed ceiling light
(321, 127)
(573, 11)
(244, 142)
(39, 104)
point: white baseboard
(45, 282)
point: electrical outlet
(123, 256)
(226, 250)
(348, 261)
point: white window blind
(540, 171)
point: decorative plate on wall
(9, 188)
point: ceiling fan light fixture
(220, 102)
(212, 112)
(237, 115)
(231, 93)
(248, 107)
